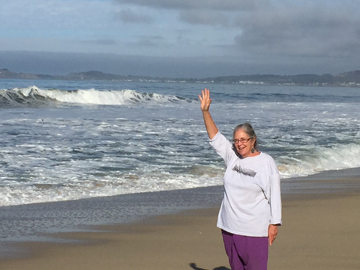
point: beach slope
(320, 231)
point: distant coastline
(349, 79)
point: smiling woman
(246, 145)
(251, 209)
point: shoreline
(318, 232)
(105, 223)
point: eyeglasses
(242, 140)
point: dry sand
(319, 232)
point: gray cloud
(317, 31)
(237, 36)
(108, 42)
(190, 67)
(204, 17)
(129, 16)
(148, 41)
(216, 5)
(260, 27)
(203, 12)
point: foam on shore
(40, 222)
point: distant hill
(100, 76)
(351, 78)
(6, 74)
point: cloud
(130, 16)
(293, 30)
(289, 28)
(190, 67)
(245, 36)
(204, 17)
(54, 15)
(216, 5)
(148, 41)
(106, 42)
(203, 12)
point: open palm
(205, 100)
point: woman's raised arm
(205, 101)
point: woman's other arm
(273, 231)
(205, 101)
(275, 203)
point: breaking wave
(34, 96)
(323, 159)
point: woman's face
(243, 143)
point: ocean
(70, 140)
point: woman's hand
(205, 100)
(205, 105)
(273, 231)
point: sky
(180, 38)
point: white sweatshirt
(252, 198)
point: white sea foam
(321, 159)
(155, 181)
(68, 150)
(72, 185)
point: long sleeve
(275, 198)
(223, 147)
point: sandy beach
(320, 231)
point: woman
(250, 212)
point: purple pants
(245, 252)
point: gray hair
(248, 130)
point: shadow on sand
(195, 267)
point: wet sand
(320, 231)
